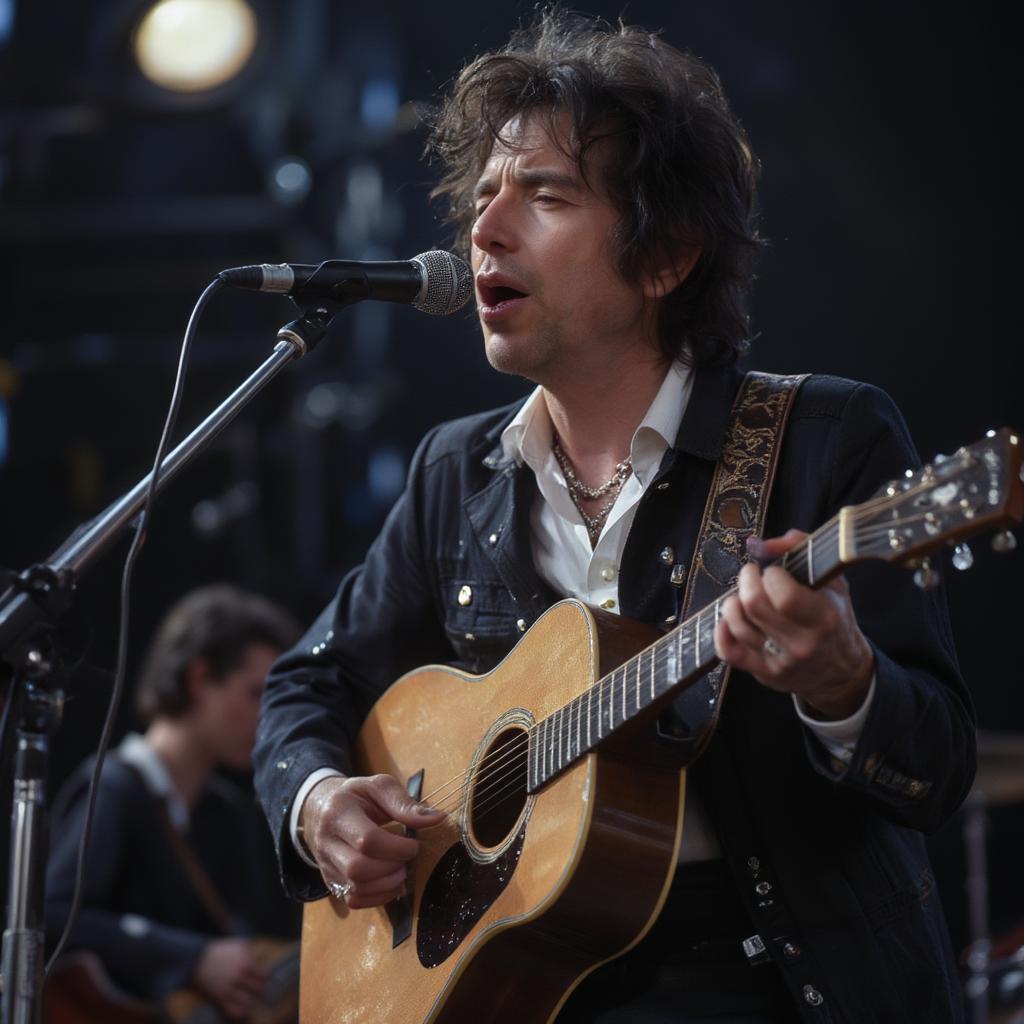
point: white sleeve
(839, 737)
(293, 819)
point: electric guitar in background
(556, 792)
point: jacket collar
(702, 431)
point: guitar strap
(736, 509)
(204, 888)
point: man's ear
(197, 679)
(673, 273)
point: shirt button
(608, 573)
(668, 556)
(521, 625)
(763, 888)
(610, 603)
(465, 596)
(791, 951)
(493, 539)
(812, 997)
(663, 486)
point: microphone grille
(447, 282)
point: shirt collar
(529, 435)
(135, 751)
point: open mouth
(495, 295)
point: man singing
(604, 193)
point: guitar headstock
(976, 489)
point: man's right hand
(231, 976)
(342, 821)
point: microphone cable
(141, 527)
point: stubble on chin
(533, 356)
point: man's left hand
(794, 639)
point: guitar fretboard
(671, 662)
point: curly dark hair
(682, 171)
(217, 623)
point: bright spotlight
(195, 45)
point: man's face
(551, 301)
(226, 711)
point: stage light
(6, 19)
(195, 45)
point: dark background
(887, 133)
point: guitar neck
(667, 666)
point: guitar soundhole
(499, 788)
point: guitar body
(517, 896)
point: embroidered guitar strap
(735, 510)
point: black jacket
(140, 912)
(828, 858)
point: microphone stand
(30, 611)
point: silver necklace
(579, 490)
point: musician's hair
(681, 171)
(216, 623)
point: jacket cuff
(839, 737)
(868, 769)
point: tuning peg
(925, 576)
(1004, 542)
(963, 557)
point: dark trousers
(690, 968)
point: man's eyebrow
(531, 178)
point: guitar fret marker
(579, 715)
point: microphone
(435, 282)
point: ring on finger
(771, 648)
(338, 890)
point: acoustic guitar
(79, 991)
(557, 788)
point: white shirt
(565, 559)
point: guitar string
(464, 778)
(488, 798)
(796, 559)
(604, 688)
(496, 799)
(559, 734)
(494, 775)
